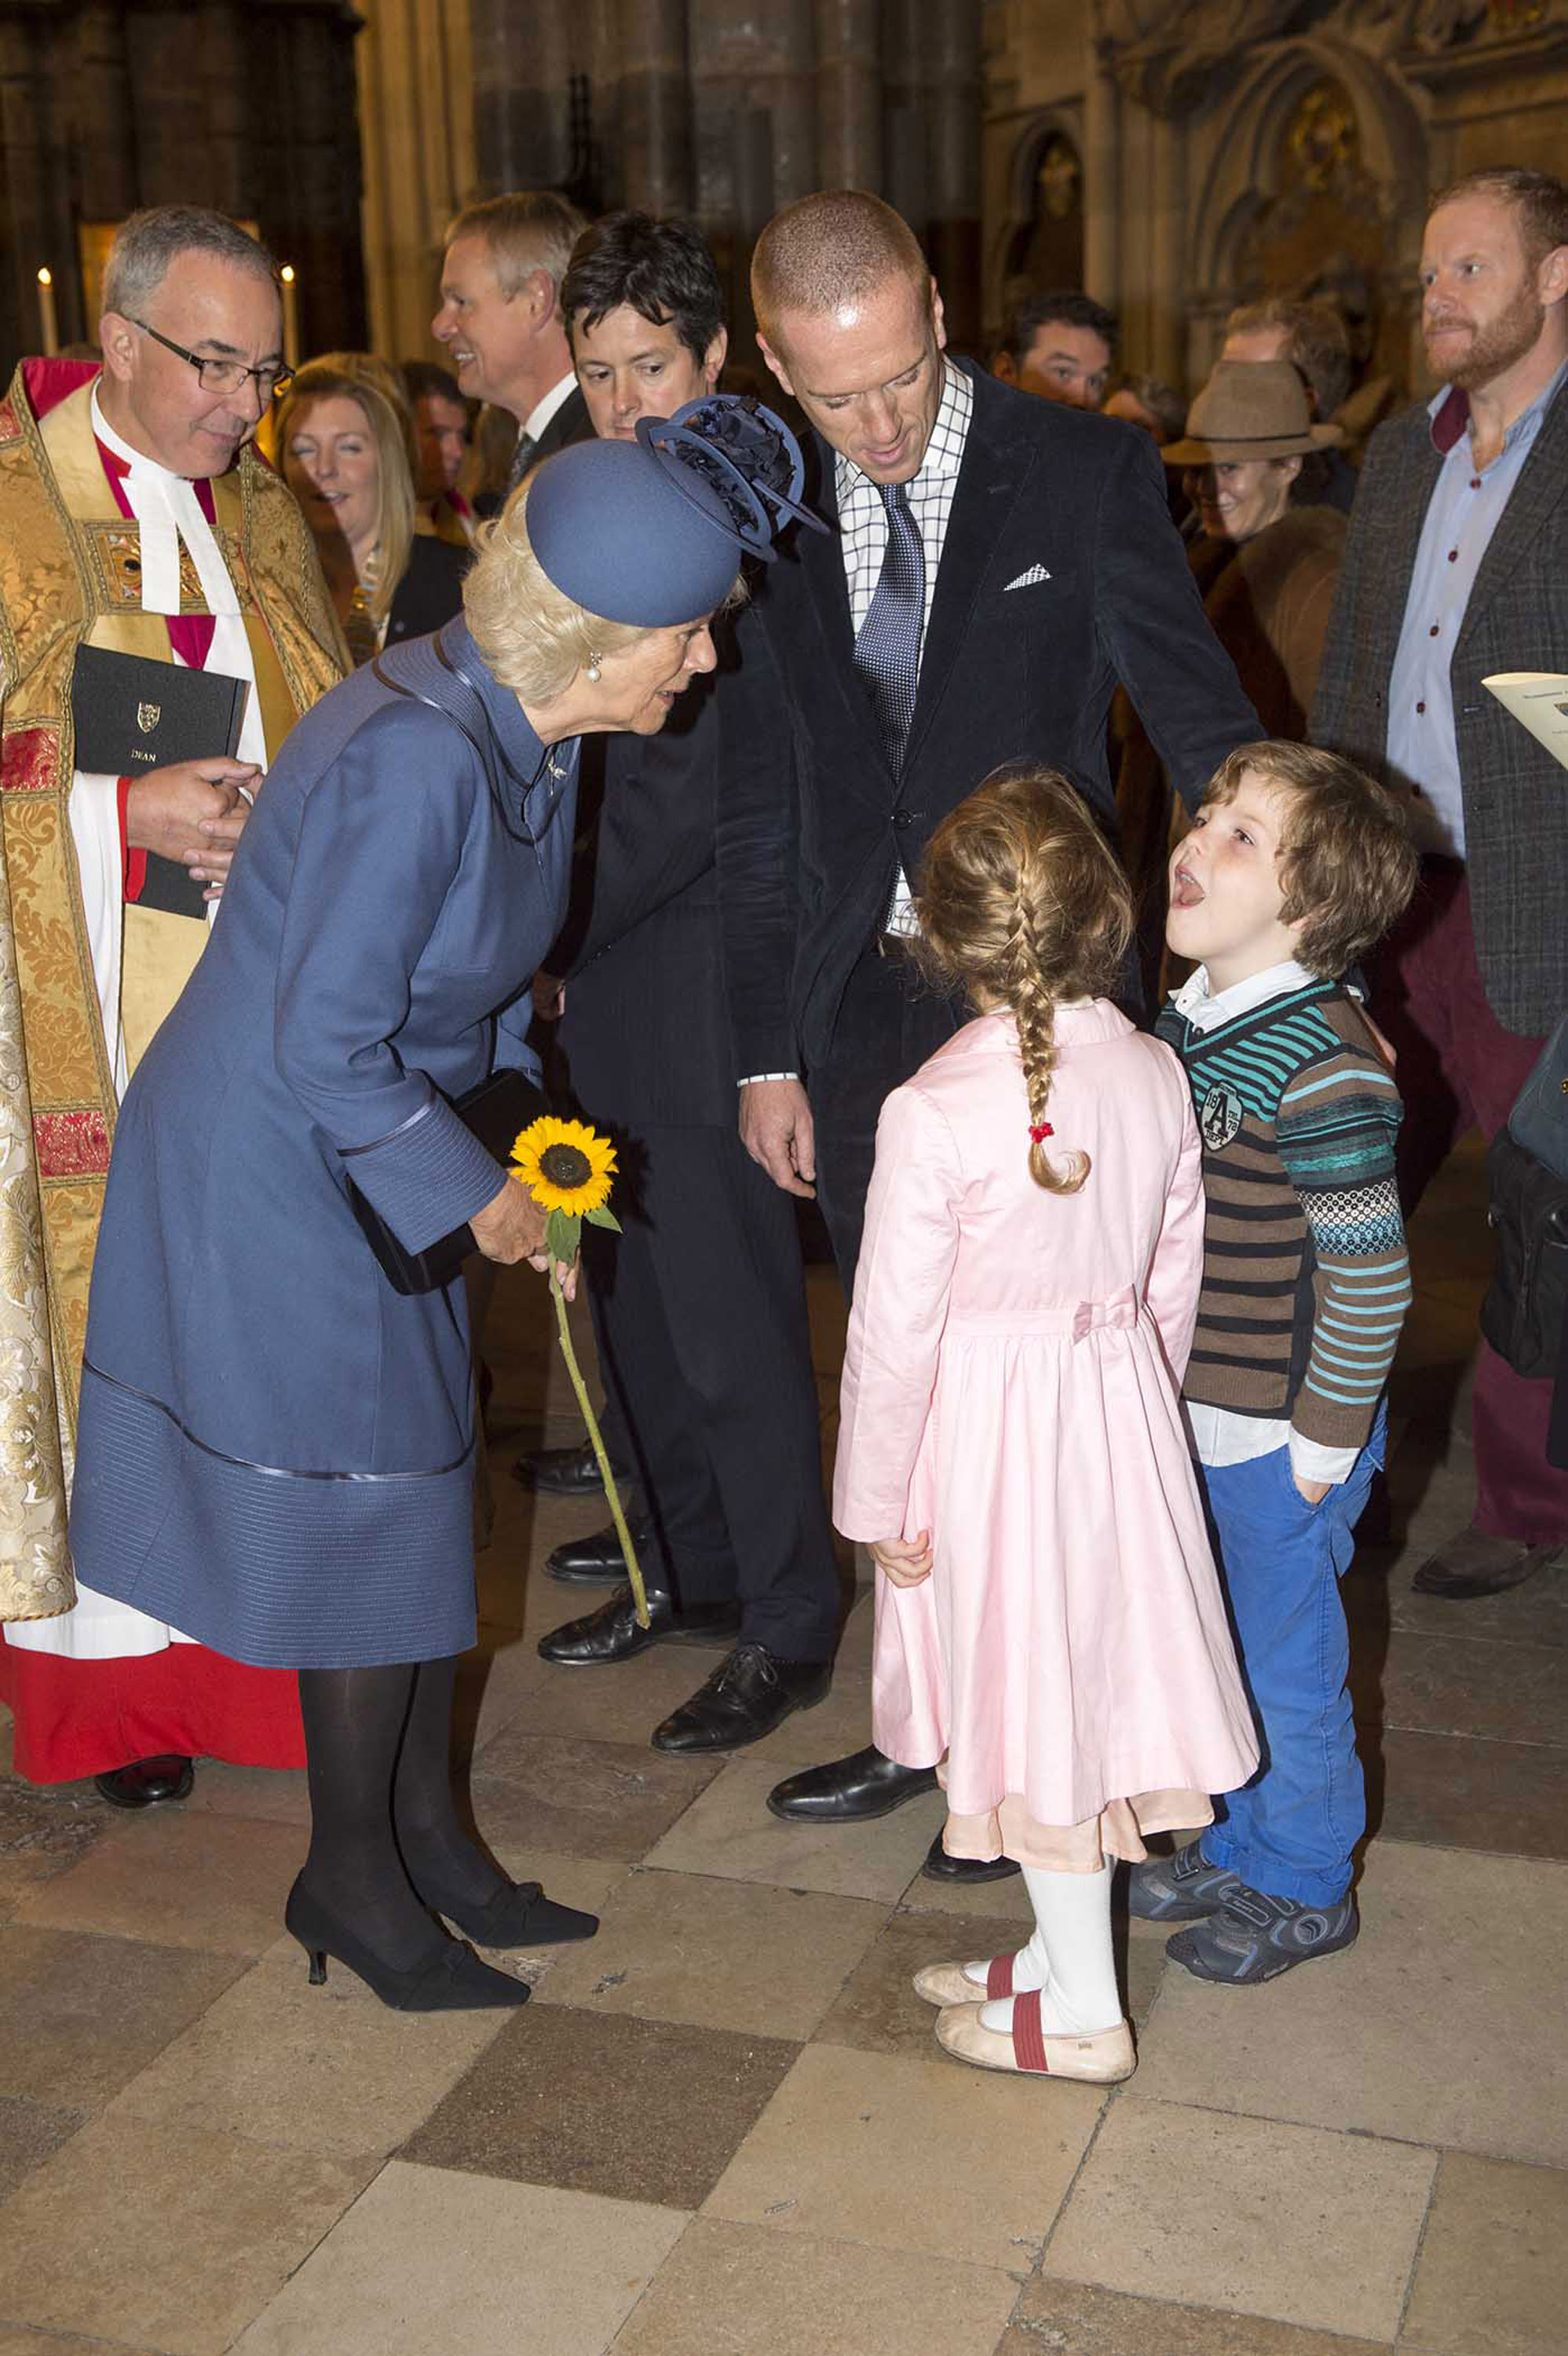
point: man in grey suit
(1456, 566)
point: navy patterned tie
(887, 651)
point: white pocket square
(1029, 580)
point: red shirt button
(1432, 633)
(1421, 707)
(1475, 482)
(1452, 556)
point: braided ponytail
(1034, 1009)
(1022, 903)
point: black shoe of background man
(597, 1558)
(747, 1695)
(146, 1781)
(561, 1471)
(612, 1633)
(849, 1791)
(1472, 1563)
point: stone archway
(1318, 185)
(1040, 244)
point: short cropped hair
(147, 243)
(828, 249)
(531, 228)
(428, 380)
(1317, 344)
(1072, 309)
(661, 270)
(1539, 198)
(1347, 864)
(1165, 405)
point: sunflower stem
(633, 1568)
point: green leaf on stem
(563, 1230)
(603, 1219)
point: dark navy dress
(275, 1450)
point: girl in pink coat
(1048, 1617)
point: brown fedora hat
(1250, 409)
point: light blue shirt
(1465, 510)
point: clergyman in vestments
(134, 517)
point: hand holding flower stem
(567, 1168)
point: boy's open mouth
(1186, 892)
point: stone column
(522, 59)
(655, 160)
(848, 93)
(953, 116)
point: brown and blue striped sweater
(1305, 1275)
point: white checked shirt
(863, 535)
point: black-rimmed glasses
(223, 376)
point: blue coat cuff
(427, 1177)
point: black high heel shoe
(452, 1980)
(519, 1915)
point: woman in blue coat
(275, 1447)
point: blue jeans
(1291, 1830)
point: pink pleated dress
(1012, 1384)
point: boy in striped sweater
(1296, 866)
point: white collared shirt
(543, 411)
(1219, 1435)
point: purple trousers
(1459, 1069)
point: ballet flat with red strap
(1029, 2049)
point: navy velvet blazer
(1061, 578)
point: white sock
(1072, 1935)
(1030, 1970)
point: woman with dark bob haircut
(276, 1447)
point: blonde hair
(1022, 903)
(831, 249)
(360, 377)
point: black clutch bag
(495, 1110)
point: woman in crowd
(275, 1449)
(1267, 569)
(343, 435)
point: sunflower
(565, 1165)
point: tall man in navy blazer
(1051, 573)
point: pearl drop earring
(591, 669)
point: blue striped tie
(887, 651)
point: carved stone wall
(1230, 145)
(109, 104)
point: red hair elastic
(1040, 1131)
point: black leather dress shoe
(563, 1472)
(746, 1698)
(597, 1558)
(1471, 1564)
(940, 1867)
(146, 1782)
(849, 1791)
(612, 1633)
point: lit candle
(290, 316)
(47, 322)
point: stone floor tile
(878, 2011)
(1490, 2278)
(729, 1832)
(44, 1829)
(1075, 2320)
(591, 1799)
(329, 2070)
(248, 2216)
(278, 1793)
(1451, 1684)
(30, 2132)
(1239, 2213)
(721, 1955)
(1508, 1797)
(988, 1899)
(17, 2341)
(636, 2110)
(79, 2015)
(1535, 1613)
(743, 2290)
(831, 2156)
(1433, 2027)
(177, 1880)
(426, 2264)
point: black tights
(386, 1839)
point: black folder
(130, 713)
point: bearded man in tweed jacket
(1457, 567)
